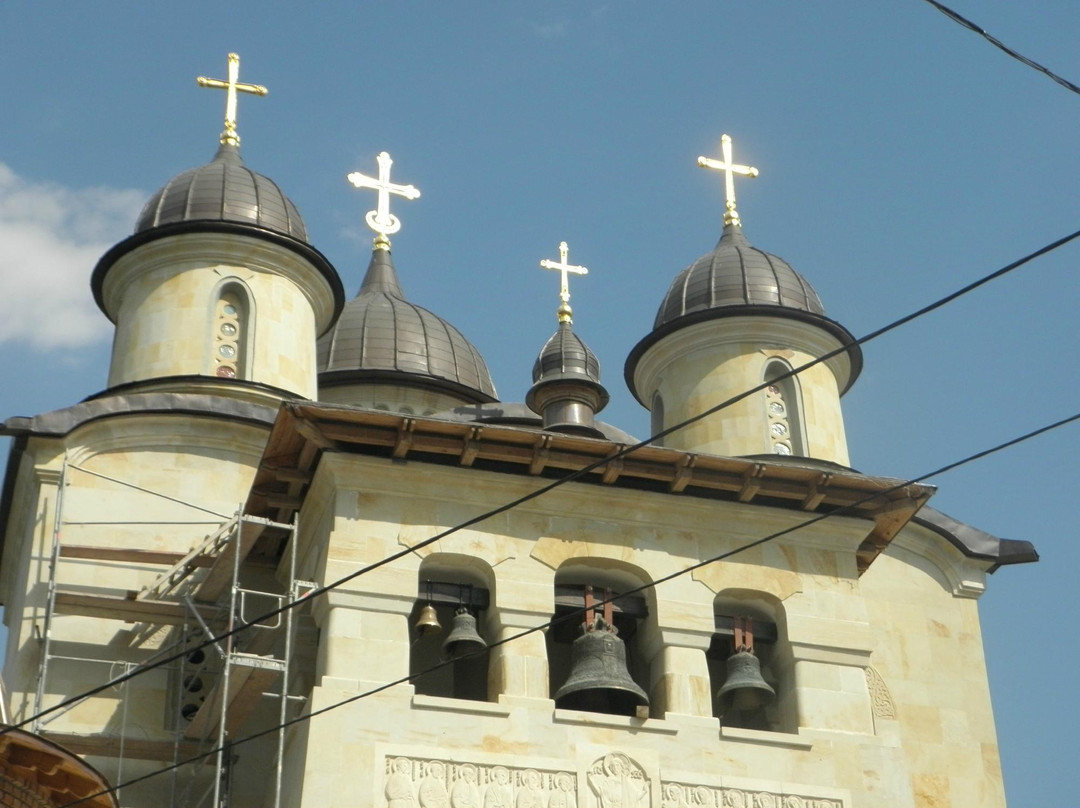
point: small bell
(427, 621)
(599, 680)
(463, 638)
(744, 688)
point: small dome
(737, 274)
(223, 190)
(380, 335)
(738, 279)
(566, 356)
(566, 388)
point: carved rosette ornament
(880, 698)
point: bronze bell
(463, 638)
(599, 681)
(427, 621)
(744, 688)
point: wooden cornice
(304, 430)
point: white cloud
(50, 239)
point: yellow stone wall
(161, 297)
(705, 364)
(883, 674)
(107, 495)
(883, 699)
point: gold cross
(731, 216)
(381, 220)
(564, 269)
(231, 87)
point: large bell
(599, 681)
(427, 621)
(463, 638)
(744, 689)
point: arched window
(574, 581)
(448, 622)
(783, 411)
(746, 701)
(657, 416)
(231, 325)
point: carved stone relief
(880, 698)
(417, 783)
(683, 795)
(613, 781)
(618, 782)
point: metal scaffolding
(197, 597)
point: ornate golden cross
(564, 269)
(730, 169)
(381, 220)
(231, 87)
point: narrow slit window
(657, 417)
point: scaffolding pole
(50, 600)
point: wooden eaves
(304, 430)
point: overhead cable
(997, 43)
(544, 489)
(600, 602)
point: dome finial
(731, 216)
(381, 220)
(231, 87)
(565, 313)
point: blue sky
(901, 157)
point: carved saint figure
(673, 796)
(433, 787)
(498, 791)
(618, 783)
(734, 799)
(562, 795)
(465, 793)
(399, 785)
(529, 795)
(704, 796)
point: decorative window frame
(231, 292)
(784, 426)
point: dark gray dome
(566, 356)
(738, 279)
(223, 190)
(737, 274)
(382, 336)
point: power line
(997, 43)
(578, 474)
(567, 617)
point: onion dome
(222, 196)
(381, 336)
(223, 190)
(737, 274)
(566, 357)
(738, 279)
(566, 391)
